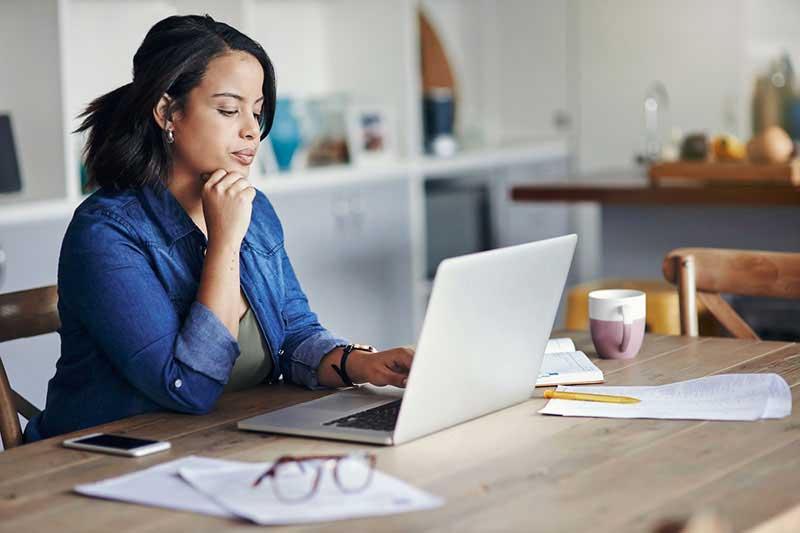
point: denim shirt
(133, 337)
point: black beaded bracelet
(343, 362)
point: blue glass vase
(285, 133)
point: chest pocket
(178, 268)
(263, 270)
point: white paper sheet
(160, 486)
(231, 487)
(215, 482)
(559, 345)
(720, 397)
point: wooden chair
(22, 314)
(703, 273)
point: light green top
(254, 363)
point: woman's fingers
(220, 180)
(225, 184)
(231, 183)
(400, 360)
(390, 367)
(405, 356)
(248, 193)
(214, 177)
(397, 366)
(385, 376)
(240, 185)
(393, 378)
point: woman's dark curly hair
(125, 145)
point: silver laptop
(481, 345)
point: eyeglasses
(296, 479)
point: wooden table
(514, 470)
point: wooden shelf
(491, 157)
(644, 194)
(24, 210)
(425, 167)
(333, 176)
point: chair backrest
(22, 314)
(704, 273)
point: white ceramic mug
(617, 322)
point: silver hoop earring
(170, 136)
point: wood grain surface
(647, 195)
(787, 174)
(513, 470)
(746, 272)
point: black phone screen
(116, 441)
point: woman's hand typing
(389, 367)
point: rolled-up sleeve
(181, 363)
(306, 341)
(203, 332)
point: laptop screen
(9, 168)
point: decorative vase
(285, 134)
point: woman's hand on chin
(227, 207)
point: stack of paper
(160, 486)
(562, 365)
(720, 397)
(231, 487)
(223, 488)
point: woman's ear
(161, 112)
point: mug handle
(627, 326)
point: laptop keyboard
(381, 418)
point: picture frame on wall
(370, 135)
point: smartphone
(116, 444)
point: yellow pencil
(550, 393)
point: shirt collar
(168, 212)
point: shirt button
(280, 352)
(178, 383)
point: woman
(174, 283)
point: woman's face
(219, 126)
